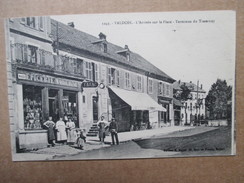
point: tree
(217, 99)
(184, 94)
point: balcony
(32, 57)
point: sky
(188, 46)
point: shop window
(150, 86)
(127, 80)
(32, 107)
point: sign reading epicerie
(43, 78)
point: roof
(137, 101)
(84, 41)
(193, 87)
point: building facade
(192, 111)
(51, 70)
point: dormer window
(105, 48)
(101, 43)
(125, 52)
(128, 56)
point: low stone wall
(33, 139)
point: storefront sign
(89, 84)
(43, 78)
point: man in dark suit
(113, 127)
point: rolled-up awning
(137, 101)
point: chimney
(179, 81)
(201, 87)
(126, 47)
(102, 36)
(71, 24)
(190, 81)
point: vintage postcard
(121, 86)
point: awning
(137, 101)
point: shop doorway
(53, 104)
(69, 102)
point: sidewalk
(93, 143)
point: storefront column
(60, 103)
(20, 109)
(171, 114)
(80, 110)
(45, 104)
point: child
(81, 139)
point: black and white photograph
(121, 85)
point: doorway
(53, 104)
(95, 108)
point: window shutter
(25, 53)
(142, 81)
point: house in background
(193, 110)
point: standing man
(113, 127)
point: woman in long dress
(70, 125)
(61, 131)
(50, 130)
(101, 129)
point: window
(78, 66)
(163, 89)
(23, 20)
(117, 78)
(150, 85)
(32, 54)
(95, 72)
(88, 70)
(84, 98)
(31, 22)
(167, 90)
(159, 88)
(139, 83)
(127, 80)
(111, 76)
(32, 107)
(40, 21)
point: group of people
(66, 133)
(104, 127)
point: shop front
(166, 117)
(39, 97)
(133, 110)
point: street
(196, 141)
